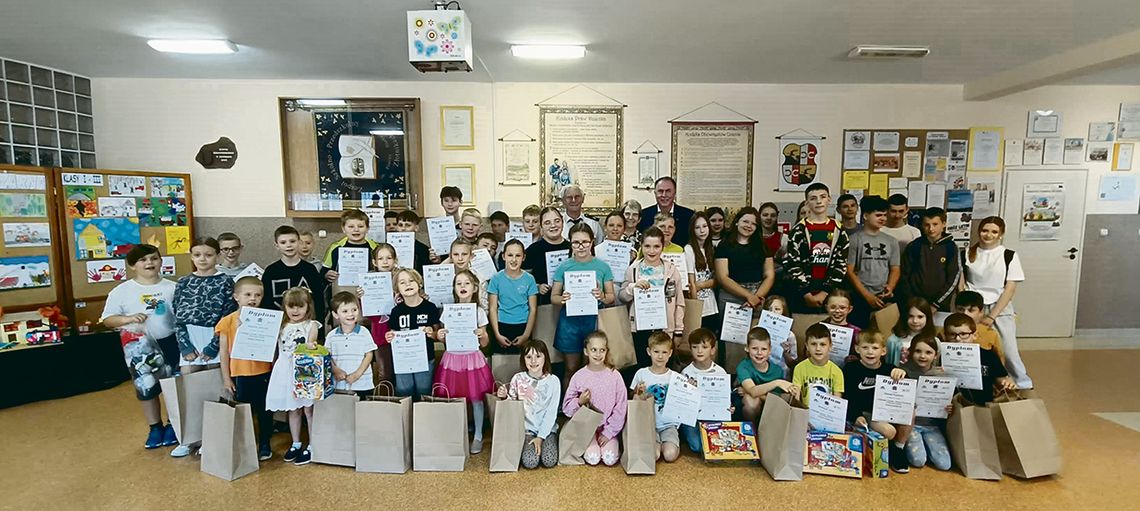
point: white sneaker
(477, 446)
(180, 451)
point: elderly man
(572, 199)
(665, 189)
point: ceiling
(693, 41)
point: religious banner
(712, 163)
(581, 145)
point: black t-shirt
(279, 277)
(422, 257)
(535, 263)
(859, 387)
(745, 262)
(404, 317)
(992, 369)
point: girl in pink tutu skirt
(466, 373)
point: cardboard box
(834, 454)
(875, 457)
(729, 441)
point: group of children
(168, 321)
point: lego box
(834, 454)
(875, 461)
(729, 441)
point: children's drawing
(81, 201)
(167, 187)
(178, 240)
(114, 270)
(23, 272)
(105, 238)
(23, 204)
(27, 235)
(117, 206)
(126, 186)
(161, 212)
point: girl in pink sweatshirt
(599, 386)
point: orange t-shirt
(228, 327)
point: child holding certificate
(299, 329)
(838, 307)
(600, 387)
(413, 312)
(354, 224)
(384, 259)
(859, 377)
(924, 441)
(702, 345)
(699, 259)
(247, 380)
(653, 271)
(960, 328)
(653, 383)
(784, 355)
(818, 371)
(572, 330)
(461, 257)
(350, 346)
(758, 377)
(466, 373)
(553, 243)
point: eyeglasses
(960, 335)
(231, 249)
(580, 243)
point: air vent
(888, 52)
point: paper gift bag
(1026, 443)
(312, 373)
(883, 320)
(782, 434)
(384, 434)
(439, 434)
(545, 322)
(693, 315)
(639, 438)
(227, 431)
(504, 367)
(332, 436)
(576, 435)
(800, 324)
(614, 321)
(184, 396)
(508, 432)
(973, 447)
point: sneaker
(303, 458)
(291, 454)
(264, 454)
(180, 451)
(154, 438)
(477, 446)
(897, 459)
(168, 436)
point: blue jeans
(927, 443)
(571, 334)
(692, 436)
(414, 384)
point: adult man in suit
(665, 190)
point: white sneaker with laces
(180, 451)
(477, 446)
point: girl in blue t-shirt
(572, 330)
(512, 296)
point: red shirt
(820, 239)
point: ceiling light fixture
(871, 51)
(548, 51)
(193, 46)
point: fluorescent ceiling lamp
(322, 102)
(548, 51)
(871, 51)
(193, 46)
(387, 133)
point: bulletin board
(104, 213)
(30, 268)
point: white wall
(159, 124)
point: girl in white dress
(299, 328)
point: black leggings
(510, 331)
(170, 353)
(252, 390)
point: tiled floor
(85, 453)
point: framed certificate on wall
(457, 128)
(462, 176)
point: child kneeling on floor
(599, 386)
(653, 383)
(538, 389)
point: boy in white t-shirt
(653, 383)
(350, 346)
(897, 212)
(140, 308)
(702, 345)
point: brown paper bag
(639, 438)
(733, 354)
(800, 324)
(227, 430)
(693, 310)
(1026, 442)
(508, 432)
(973, 447)
(576, 435)
(332, 436)
(384, 434)
(504, 367)
(883, 320)
(184, 396)
(439, 434)
(782, 435)
(545, 322)
(614, 321)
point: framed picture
(462, 176)
(1044, 124)
(457, 128)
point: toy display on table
(728, 441)
(834, 454)
(38, 328)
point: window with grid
(45, 117)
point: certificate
(737, 321)
(409, 354)
(826, 412)
(779, 328)
(964, 362)
(256, 336)
(456, 126)
(516, 231)
(438, 283)
(894, 401)
(379, 297)
(1054, 152)
(460, 320)
(581, 286)
(678, 260)
(933, 396)
(351, 263)
(682, 401)
(554, 259)
(251, 270)
(441, 232)
(716, 397)
(482, 264)
(616, 255)
(649, 308)
(840, 343)
(405, 245)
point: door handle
(1072, 250)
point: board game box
(834, 454)
(725, 441)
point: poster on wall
(105, 238)
(987, 145)
(959, 213)
(26, 235)
(358, 150)
(1128, 123)
(799, 163)
(1042, 211)
(23, 272)
(581, 145)
(712, 163)
(516, 162)
(23, 204)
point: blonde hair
(659, 339)
(299, 297)
(471, 212)
(595, 336)
(871, 337)
(414, 275)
